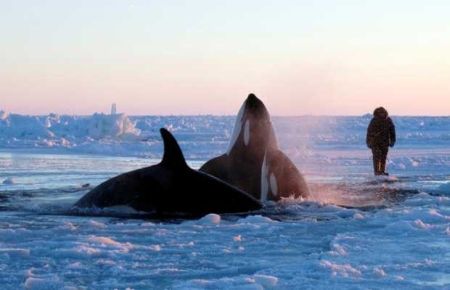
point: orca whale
(170, 188)
(253, 161)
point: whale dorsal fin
(173, 156)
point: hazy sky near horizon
(335, 57)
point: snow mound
(344, 270)
(54, 127)
(210, 219)
(9, 181)
(112, 126)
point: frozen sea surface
(200, 136)
(356, 231)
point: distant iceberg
(97, 126)
(111, 126)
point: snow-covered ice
(356, 231)
(202, 136)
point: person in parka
(380, 136)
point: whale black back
(170, 188)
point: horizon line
(218, 115)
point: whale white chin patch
(247, 132)
(273, 185)
(264, 179)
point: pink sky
(156, 58)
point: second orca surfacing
(253, 161)
(170, 189)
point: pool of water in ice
(355, 232)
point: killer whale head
(253, 161)
(253, 129)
